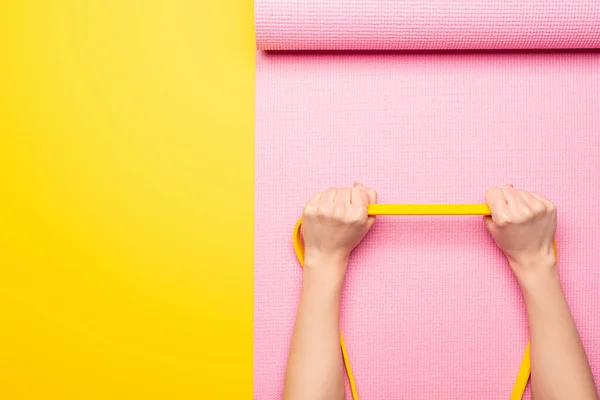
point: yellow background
(126, 175)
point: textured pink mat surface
(426, 24)
(430, 309)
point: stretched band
(422, 209)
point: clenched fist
(523, 225)
(333, 223)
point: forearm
(315, 368)
(559, 366)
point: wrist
(324, 270)
(535, 282)
(530, 268)
(315, 259)
(319, 283)
(543, 261)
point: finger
(360, 203)
(359, 196)
(550, 206)
(328, 196)
(311, 208)
(343, 196)
(494, 197)
(496, 201)
(520, 208)
(489, 223)
(540, 198)
(538, 207)
(372, 198)
(529, 198)
(370, 192)
(511, 195)
(315, 198)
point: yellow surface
(421, 209)
(121, 124)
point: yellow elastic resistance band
(423, 209)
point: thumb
(372, 200)
(370, 192)
(489, 223)
(372, 196)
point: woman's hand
(523, 225)
(333, 223)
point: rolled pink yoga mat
(426, 24)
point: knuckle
(525, 211)
(350, 219)
(339, 211)
(322, 212)
(538, 208)
(359, 217)
(363, 218)
(310, 210)
(502, 219)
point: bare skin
(522, 224)
(333, 223)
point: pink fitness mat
(430, 309)
(426, 24)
